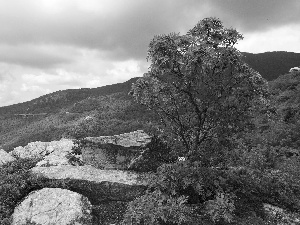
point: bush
(182, 193)
(157, 208)
(186, 191)
(109, 212)
(16, 182)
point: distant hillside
(99, 111)
(54, 102)
(74, 113)
(272, 64)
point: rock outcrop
(53, 206)
(5, 157)
(114, 152)
(136, 138)
(52, 153)
(98, 185)
(90, 172)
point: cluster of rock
(52, 153)
(96, 180)
(87, 184)
(295, 69)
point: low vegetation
(16, 182)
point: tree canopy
(200, 87)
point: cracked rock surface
(50, 206)
(53, 153)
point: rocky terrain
(88, 185)
(91, 185)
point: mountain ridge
(272, 64)
(68, 96)
(269, 64)
(101, 111)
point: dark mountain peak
(272, 64)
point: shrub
(16, 182)
(186, 190)
(157, 208)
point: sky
(51, 45)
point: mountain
(272, 64)
(73, 113)
(54, 102)
(100, 111)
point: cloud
(123, 29)
(37, 56)
(257, 15)
(280, 39)
(50, 45)
(19, 84)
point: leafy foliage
(200, 87)
(157, 208)
(216, 113)
(16, 182)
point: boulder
(53, 206)
(5, 157)
(114, 152)
(61, 158)
(96, 184)
(52, 153)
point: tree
(202, 90)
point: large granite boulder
(5, 157)
(114, 152)
(53, 206)
(52, 153)
(96, 184)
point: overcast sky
(51, 45)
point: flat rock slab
(89, 173)
(53, 206)
(98, 185)
(114, 152)
(136, 138)
(109, 156)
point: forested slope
(105, 110)
(272, 64)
